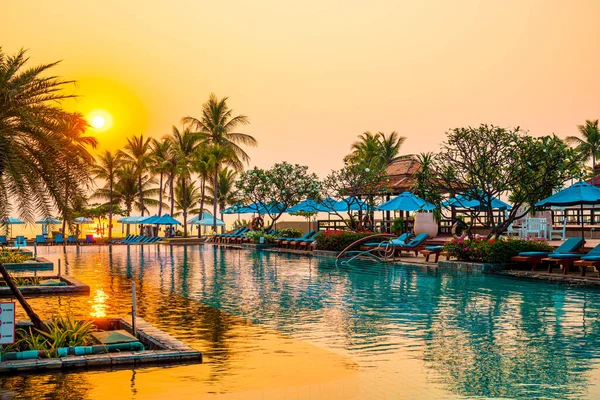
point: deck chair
(59, 239)
(89, 239)
(417, 244)
(535, 257)
(20, 241)
(40, 239)
(3, 241)
(399, 241)
(288, 241)
(71, 239)
(590, 259)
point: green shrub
(290, 233)
(338, 240)
(256, 235)
(397, 225)
(494, 251)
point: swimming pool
(284, 326)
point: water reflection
(439, 333)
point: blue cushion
(591, 258)
(533, 253)
(564, 255)
(570, 245)
(434, 248)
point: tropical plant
(338, 240)
(185, 196)
(106, 168)
(496, 251)
(227, 191)
(238, 223)
(161, 159)
(219, 155)
(256, 235)
(289, 233)
(137, 153)
(589, 146)
(280, 187)
(203, 166)
(376, 150)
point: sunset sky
(312, 75)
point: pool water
(285, 326)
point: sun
(100, 120)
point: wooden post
(59, 268)
(133, 309)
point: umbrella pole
(582, 229)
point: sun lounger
(399, 241)
(534, 258)
(3, 241)
(89, 239)
(289, 242)
(435, 250)
(591, 259)
(40, 239)
(59, 239)
(417, 244)
(71, 239)
(20, 241)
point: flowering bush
(256, 235)
(338, 240)
(289, 233)
(495, 251)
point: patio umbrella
(580, 193)
(11, 221)
(354, 203)
(207, 220)
(307, 206)
(231, 210)
(82, 220)
(464, 201)
(48, 221)
(165, 219)
(406, 202)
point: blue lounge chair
(89, 239)
(3, 241)
(417, 244)
(399, 241)
(534, 258)
(20, 241)
(40, 239)
(239, 235)
(283, 242)
(71, 239)
(591, 259)
(59, 239)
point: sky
(313, 75)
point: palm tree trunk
(141, 194)
(593, 169)
(160, 195)
(184, 198)
(216, 196)
(202, 185)
(66, 203)
(35, 319)
(110, 209)
(172, 194)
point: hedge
(338, 240)
(493, 251)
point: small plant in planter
(289, 233)
(397, 226)
(256, 235)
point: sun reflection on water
(98, 304)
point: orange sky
(312, 75)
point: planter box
(161, 348)
(468, 266)
(73, 286)
(41, 264)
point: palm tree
(33, 151)
(217, 126)
(137, 152)
(226, 192)
(184, 145)
(376, 149)
(390, 147)
(73, 127)
(106, 169)
(219, 155)
(203, 166)
(589, 146)
(185, 196)
(160, 154)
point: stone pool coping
(41, 264)
(73, 286)
(162, 349)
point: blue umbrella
(307, 205)
(164, 219)
(464, 201)
(354, 203)
(234, 209)
(12, 221)
(579, 193)
(207, 220)
(406, 202)
(49, 221)
(326, 205)
(261, 208)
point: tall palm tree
(185, 196)
(218, 126)
(219, 155)
(589, 146)
(137, 152)
(226, 192)
(73, 127)
(161, 158)
(106, 168)
(390, 147)
(203, 166)
(375, 149)
(184, 144)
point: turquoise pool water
(412, 331)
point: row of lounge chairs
(137, 239)
(407, 243)
(41, 240)
(304, 242)
(567, 255)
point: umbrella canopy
(49, 221)
(207, 220)
(406, 202)
(464, 201)
(354, 203)
(580, 193)
(83, 220)
(149, 220)
(261, 208)
(132, 219)
(165, 219)
(12, 221)
(307, 205)
(230, 210)
(326, 205)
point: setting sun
(98, 121)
